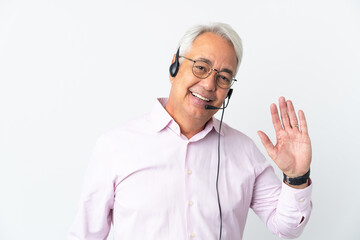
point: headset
(174, 68)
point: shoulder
(239, 145)
(234, 135)
(127, 130)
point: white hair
(222, 29)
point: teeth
(201, 97)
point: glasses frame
(209, 73)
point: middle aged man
(157, 177)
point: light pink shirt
(151, 182)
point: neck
(189, 126)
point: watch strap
(297, 180)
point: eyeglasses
(202, 69)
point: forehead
(217, 50)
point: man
(160, 176)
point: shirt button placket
(190, 203)
(189, 197)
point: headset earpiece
(174, 67)
(229, 93)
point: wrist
(302, 186)
(297, 181)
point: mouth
(200, 97)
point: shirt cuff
(296, 198)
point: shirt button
(189, 172)
(191, 203)
(192, 235)
(302, 200)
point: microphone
(210, 107)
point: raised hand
(292, 151)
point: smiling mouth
(200, 97)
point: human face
(189, 94)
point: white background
(70, 70)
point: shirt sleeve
(93, 219)
(285, 210)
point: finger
(292, 115)
(283, 112)
(267, 144)
(275, 118)
(303, 124)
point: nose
(209, 83)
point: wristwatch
(298, 180)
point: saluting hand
(292, 151)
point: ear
(173, 59)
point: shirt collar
(215, 123)
(162, 119)
(159, 116)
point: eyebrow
(210, 63)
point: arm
(285, 208)
(93, 219)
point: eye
(223, 79)
(200, 68)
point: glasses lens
(201, 69)
(224, 79)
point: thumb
(267, 144)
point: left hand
(292, 152)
